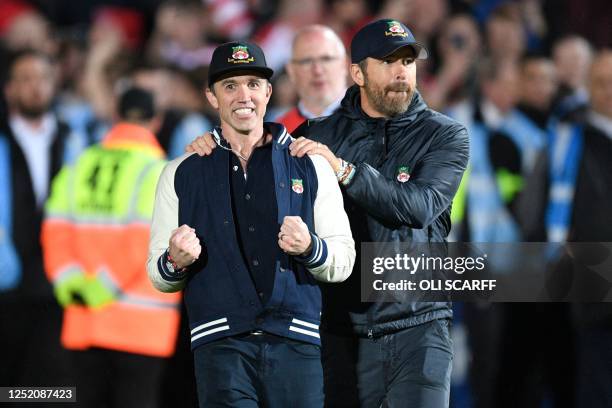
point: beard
(33, 111)
(389, 106)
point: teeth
(243, 111)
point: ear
(268, 92)
(212, 99)
(357, 75)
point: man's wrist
(308, 249)
(172, 265)
(345, 173)
(317, 254)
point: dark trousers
(178, 383)
(409, 368)
(594, 368)
(30, 349)
(522, 355)
(113, 379)
(259, 371)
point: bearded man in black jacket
(36, 143)
(400, 164)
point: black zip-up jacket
(27, 218)
(435, 150)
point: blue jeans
(259, 371)
(408, 368)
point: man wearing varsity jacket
(247, 232)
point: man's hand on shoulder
(302, 146)
(294, 237)
(184, 247)
(202, 145)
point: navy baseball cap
(382, 38)
(237, 56)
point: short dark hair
(363, 64)
(136, 105)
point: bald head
(572, 56)
(318, 67)
(315, 34)
(600, 83)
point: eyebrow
(394, 58)
(233, 81)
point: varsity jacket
(219, 293)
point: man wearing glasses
(319, 70)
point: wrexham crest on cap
(395, 29)
(403, 174)
(297, 186)
(240, 55)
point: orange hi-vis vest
(97, 224)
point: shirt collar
(601, 122)
(44, 133)
(331, 108)
(492, 116)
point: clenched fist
(184, 246)
(294, 237)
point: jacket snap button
(282, 185)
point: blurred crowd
(530, 79)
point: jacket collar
(280, 137)
(601, 122)
(130, 136)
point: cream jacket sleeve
(333, 250)
(165, 219)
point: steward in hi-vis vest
(95, 238)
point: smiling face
(241, 102)
(387, 85)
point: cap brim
(236, 71)
(419, 50)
